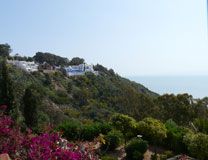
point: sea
(197, 86)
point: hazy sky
(134, 37)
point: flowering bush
(46, 146)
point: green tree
(135, 149)
(5, 50)
(174, 139)
(178, 108)
(123, 123)
(7, 96)
(69, 86)
(112, 140)
(47, 80)
(80, 97)
(136, 104)
(152, 129)
(76, 61)
(31, 101)
(201, 124)
(52, 59)
(197, 145)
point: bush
(104, 127)
(74, 130)
(71, 130)
(90, 132)
(174, 139)
(169, 154)
(135, 149)
(108, 158)
(154, 157)
(163, 157)
(197, 145)
(112, 140)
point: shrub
(152, 130)
(163, 157)
(197, 145)
(104, 128)
(92, 131)
(108, 158)
(174, 139)
(112, 140)
(154, 157)
(134, 146)
(74, 130)
(169, 154)
(71, 130)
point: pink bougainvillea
(48, 145)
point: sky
(134, 37)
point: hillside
(86, 97)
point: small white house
(80, 70)
(27, 66)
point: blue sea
(197, 86)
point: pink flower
(3, 106)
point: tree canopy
(76, 61)
(5, 50)
(52, 59)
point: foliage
(201, 124)
(136, 104)
(80, 97)
(169, 154)
(174, 139)
(152, 130)
(154, 157)
(135, 149)
(52, 59)
(74, 130)
(163, 157)
(112, 140)
(31, 101)
(7, 89)
(181, 108)
(123, 123)
(47, 145)
(108, 158)
(60, 97)
(90, 132)
(5, 50)
(76, 61)
(197, 145)
(71, 130)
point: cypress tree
(7, 96)
(31, 101)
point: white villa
(80, 70)
(27, 66)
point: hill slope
(86, 97)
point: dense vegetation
(107, 105)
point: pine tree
(31, 101)
(7, 96)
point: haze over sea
(197, 86)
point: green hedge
(112, 140)
(135, 149)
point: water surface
(197, 86)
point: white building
(27, 66)
(80, 70)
